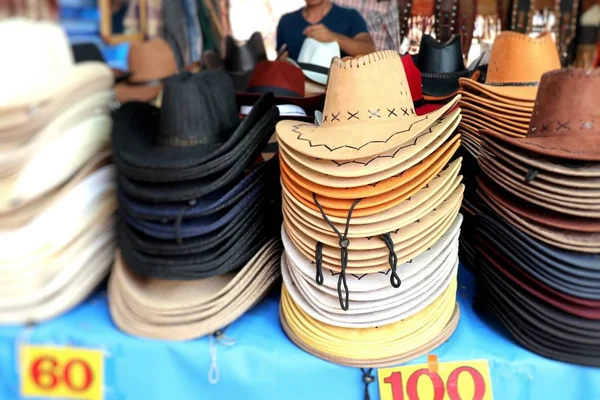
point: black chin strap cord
(393, 260)
(344, 243)
(367, 380)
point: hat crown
(244, 57)
(566, 104)
(197, 109)
(438, 57)
(151, 60)
(518, 58)
(371, 88)
(314, 52)
(35, 55)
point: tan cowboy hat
(184, 310)
(369, 170)
(150, 63)
(40, 82)
(359, 119)
(517, 62)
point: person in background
(324, 22)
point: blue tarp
(264, 364)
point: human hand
(320, 33)
(283, 56)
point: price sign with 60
(459, 380)
(63, 372)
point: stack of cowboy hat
(57, 189)
(539, 238)
(370, 205)
(504, 102)
(196, 214)
(441, 66)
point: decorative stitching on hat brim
(296, 129)
(414, 143)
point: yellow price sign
(63, 372)
(456, 380)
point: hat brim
(580, 149)
(493, 112)
(348, 141)
(515, 95)
(485, 101)
(369, 170)
(582, 172)
(139, 157)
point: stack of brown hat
(370, 204)
(504, 103)
(539, 238)
(57, 189)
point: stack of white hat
(57, 190)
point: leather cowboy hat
(373, 286)
(369, 170)
(441, 65)
(150, 63)
(517, 62)
(565, 122)
(355, 105)
(188, 309)
(285, 81)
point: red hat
(415, 83)
(285, 81)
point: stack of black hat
(194, 201)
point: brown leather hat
(149, 63)
(566, 117)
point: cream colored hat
(12, 158)
(57, 225)
(38, 77)
(49, 167)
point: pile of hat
(539, 239)
(371, 224)
(198, 214)
(503, 104)
(57, 189)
